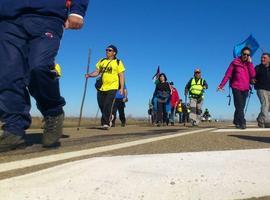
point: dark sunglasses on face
(197, 72)
(109, 50)
(245, 54)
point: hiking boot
(53, 129)
(9, 141)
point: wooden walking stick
(85, 89)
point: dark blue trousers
(239, 98)
(28, 47)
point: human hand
(87, 75)
(121, 91)
(219, 89)
(73, 22)
(250, 59)
(253, 81)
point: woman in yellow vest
(195, 88)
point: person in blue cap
(30, 34)
(119, 105)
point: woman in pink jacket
(241, 74)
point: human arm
(122, 82)
(252, 73)
(92, 74)
(225, 79)
(125, 99)
(187, 87)
(96, 72)
(205, 85)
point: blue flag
(250, 42)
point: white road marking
(220, 175)
(241, 130)
(63, 156)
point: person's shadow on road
(253, 138)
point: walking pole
(249, 95)
(96, 116)
(85, 89)
(229, 96)
(186, 112)
(111, 118)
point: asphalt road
(152, 140)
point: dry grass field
(85, 122)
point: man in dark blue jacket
(30, 34)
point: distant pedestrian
(111, 71)
(195, 88)
(162, 94)
(180, 111)
(263, 89)
(174, 100)
(119, 105)
(241, 73)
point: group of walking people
(242, 77)
(166, 101)
(30, 35)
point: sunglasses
(109, 50)
(197, 72)
(245, 54)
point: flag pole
(85, 89)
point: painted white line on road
(241, 130)
(220, 175)
(69, 155)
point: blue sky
(175, 34)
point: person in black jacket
(30, 34)
(263, 89)
(162, 93)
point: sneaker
(123, 124)
(9, 141)
(53, 129)
(105, 127)
(172, 123)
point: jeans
(239, 99)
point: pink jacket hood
(240, 74)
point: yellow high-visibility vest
(179, 108)
(196, 88)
